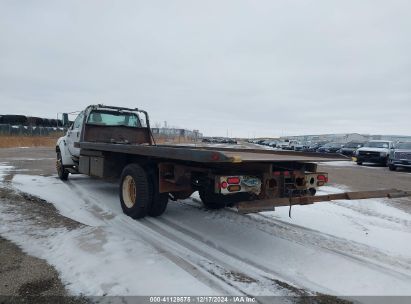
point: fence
(8, 129)
(176, 135)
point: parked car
(273, 143)
(313, 147)
(301, 146)
(400, 156)
(288, 144)
(375, 151)
(330, 148)
(350, 148)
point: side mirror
(65, 120)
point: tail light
(234, 188)
(233, 180)
(321, 180)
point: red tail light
(322, 178)
(233, 180)
(223, 185)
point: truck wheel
(212, 200)
(392, 167)
(134, 191)
(158, 205)
(159, 200)
(62, 173)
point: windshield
(353, 145)
(377, 144)
(111, 118)
(406, 145)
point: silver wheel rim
(129, 191)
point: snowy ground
(193, 251)
(341, 248)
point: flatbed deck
(212, 154)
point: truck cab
(104, 124)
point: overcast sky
(263, 68)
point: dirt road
(206, 252)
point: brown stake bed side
(211, 154)
(270, 204)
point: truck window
(114, 119)
(79, 121)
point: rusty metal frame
(270, 204)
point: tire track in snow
(156, 240)
(265, 276)
(244, 269)
(360, 253)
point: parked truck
(116, 143)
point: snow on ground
(342, 163)
(99, 258)
(349, 163)
(4, 168)
(350, 248)
(372, 222)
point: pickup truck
(374, 151)
(400, 156)
(117, 143)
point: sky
(242, 68)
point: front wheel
(135, 188)
(359, 163)
(392, 167)
(61, 171)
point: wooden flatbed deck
(212, 154)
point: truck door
(73, 135)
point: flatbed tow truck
(117, 143)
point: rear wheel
(135, 196)
(159, 200)
(359, 163)
(212, 200)
(392, 167)
(61, 171)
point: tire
(392, 167)
(159, 201)
(135, 188)
(212, 200)
(359, 163)
(61, 172)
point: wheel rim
(129, 191)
